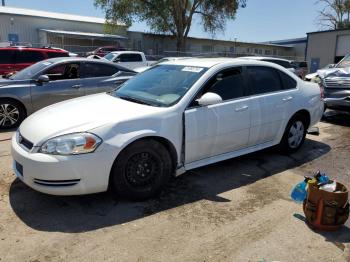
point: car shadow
(337, 118)
(85, 213)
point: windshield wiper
(135, 100)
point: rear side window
(98, 70)
(130, 58)
(6, 56)
(27, 56)
(264, 80)
(288, 82)
(229, 84)
(56, 54)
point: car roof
(48, 49)
(125, 52)
(210, 62)
(265, 57)
(84, 59)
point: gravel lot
(236, 210)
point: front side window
(162, 85)
(264, 80)
(98, 70)
(63, 72)
(229, 84)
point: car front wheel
(141, 170)
(294, 135)
(12, 114)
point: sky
(261, 20)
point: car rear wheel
(294, 135)
(12, 113)
(141, 170)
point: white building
(72, 32)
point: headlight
(72, 144)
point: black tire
(141, 170)
(12, 113)
(286, 144)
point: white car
(128, 59)
(174, 117)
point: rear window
(130, 58)
(98, 70)
(6, 56)
(57, 54)
(26, 56)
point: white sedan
(175, 117)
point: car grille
(25, 142)
(337, 83)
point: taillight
(321, 89)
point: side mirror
(43, 79)
(209, 99)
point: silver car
(54, 80)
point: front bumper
(62, 175)
(342, 103)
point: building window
(267, 52)
(274, 52)
(256, 51)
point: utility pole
(3, 2)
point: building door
(315, 65)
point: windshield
(109, 56)
(31, 71)
(345, 62)
(162, 85)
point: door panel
(64, 84)
(271, 102)
(55, 91)
(216, 129)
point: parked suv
(14, 59)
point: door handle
(76, 86)
(287, 98)
(239, 109)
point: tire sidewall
(118, 178)
(284, 143)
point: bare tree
(335, 14)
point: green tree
(335, 14)
(174, 17)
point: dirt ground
(236, 210)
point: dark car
(54, 80)
(102, 51)
(14, 59)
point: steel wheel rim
(296, 134)
(141, 169)
(9, 115)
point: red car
(14, 59)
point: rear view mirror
(209, 99)
(43, 79)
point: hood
(334, 72)
(7, 82)
(80, 115)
